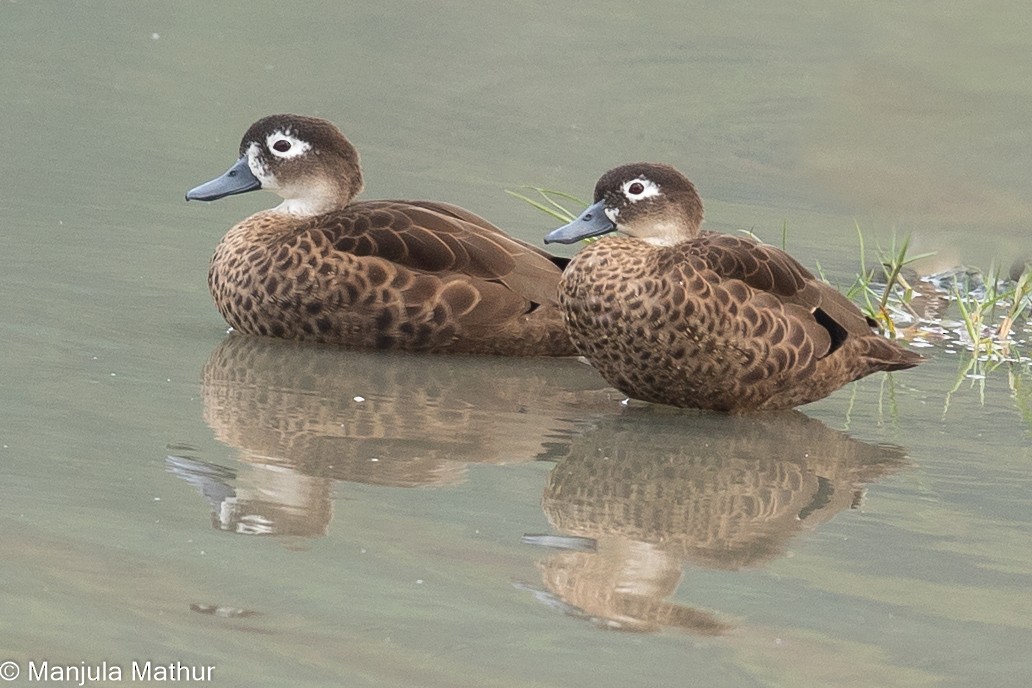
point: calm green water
(458, 521)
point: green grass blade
(561, 214)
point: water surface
(309, 516)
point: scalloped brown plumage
(676, 315)
(382, 274)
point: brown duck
(413, 275)
(676, 315)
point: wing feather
(436, 253)
(815, 318)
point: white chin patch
(613, 214)
(285, 145)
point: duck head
(649, 201)
(306, 160)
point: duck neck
(311, 199)
(665, 234)
(305, 207)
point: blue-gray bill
(592, 222)
(238, 179)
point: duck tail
(889, 356)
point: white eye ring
(648, 189)
(288, 146)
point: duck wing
(771, 271)
(446, 241)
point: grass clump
(964, 307)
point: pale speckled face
(305, 160)
(279, 147)
(633, 190)
(259, 168)
(650, 201)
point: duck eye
(635, 190)
(286, 146)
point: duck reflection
(643, 494)
(305, 416)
